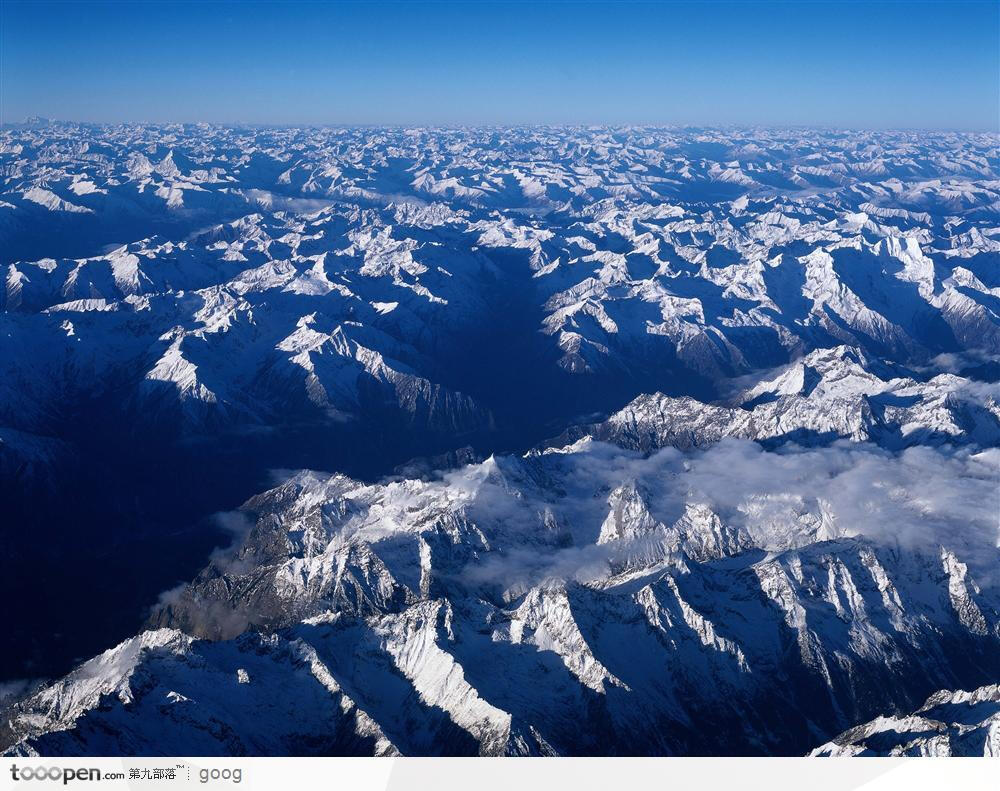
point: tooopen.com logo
(58, 774)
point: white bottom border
(503, 774)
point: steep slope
(949, 723)
(829, 394)
(174, 695)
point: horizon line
(35, 120)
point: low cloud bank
(918, 499)
(537, 519)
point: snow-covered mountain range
(686, 435)
(949, 723)
(829, 394)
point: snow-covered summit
(949, 723)
(830, 394)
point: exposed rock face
(830, 394)
(286, 702)
(949, 723)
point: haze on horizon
(840, 64)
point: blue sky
(847, 64)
